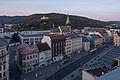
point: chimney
(102, 73)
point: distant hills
(35, 22)
(115, 22)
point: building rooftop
(84, 39)
(92, 37)
(75, 35)
(112, 75)
(43, 47)
(3, 42)
(118, 33)
(99, 29)
(98, 71)
(27, 49)
(31, 35)
(64, 28)
(56, 36)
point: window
(0, 75)
(0, 68)
(31, 57)
(4, 67)
(4, 74)
(23, 57)
(27, 57)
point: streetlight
(57, 67)
(25, 77)
(36, 75)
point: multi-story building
(4, 60)
(116, 38)
(85, 43)
(57, 45)
(101, 73)
(68, 46)
(76, 43)
(95, 40)
(45, 54)
(30, 37)
(104, 33)
(1, 32)
(27, 57)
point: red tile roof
(26, 49)
(56, 37)
(99, 71)
(43, 47)
(99, 29)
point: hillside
(34, 21)
(115, 22)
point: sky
(105, 10)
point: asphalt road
(14, 71)
(73, 66)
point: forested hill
(34, 21)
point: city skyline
(107, 10)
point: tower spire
(67, 20)
(53, 26)
(68, 23)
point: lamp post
(25, 78)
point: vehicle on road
(65, 61)
(93, 50)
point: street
(73, 66)
(54, 71)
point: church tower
(68, 23)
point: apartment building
(68, 46)
(45, 54)
(4, 60)
(76, 42)
(57, 45)
(30, 37)
(116, 38)
(27, 57)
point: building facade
(27, 57)
(57, 45)
(30, 38)
(1, 32)
(45, 54)
(116, 38)
(85, 43)
(76, 43)
(4, 60)
(68, 46)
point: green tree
(15, 37)
(114, 63)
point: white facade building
(45, 54)
(4, 60)
(57, 45)
(1, 32)
(30, 38)
(85, 43)
(76, 43)
(68, 47)
(116, 38)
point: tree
(15, 37)
(114, 63)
